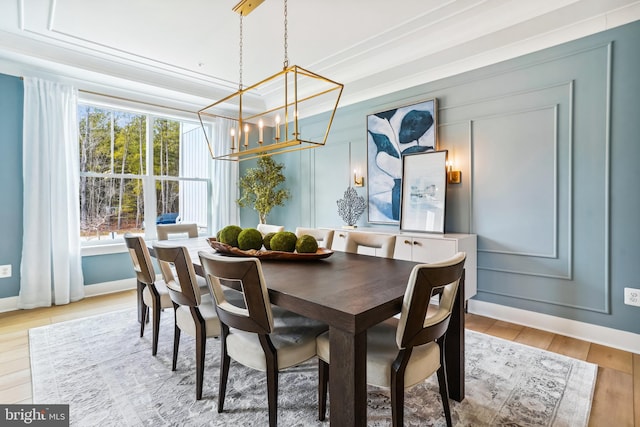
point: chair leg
(144, 312)
(323, 381)
(271, 358)
(176, 341)
(272, 394)
(442, 382)
(444, 393)
(201, 342)
(398, 369)
(224, 369)
(156, 326)
(397, 403)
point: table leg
(348, 378)
(454, 347)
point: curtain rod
(121, 98)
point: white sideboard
(427, 248)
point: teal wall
(549, 149)
(11, 95)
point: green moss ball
(306, 244)
(284, 241)
(229, 235)
(250, 238)
(267, 240)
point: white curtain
(224, 179)
(51, 269)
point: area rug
(106, 373)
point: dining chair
(154, 293)
(195, 314)
(324, 236)
(269, 228)
(385, 242)
(258, 336)
(182, 230)
(403, 352)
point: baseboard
(109, 287)
(8, 304)
(609, 337)
(11, 303)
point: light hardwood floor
(616, 395)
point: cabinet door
(339, 241)
(403, 248)
(432, 250)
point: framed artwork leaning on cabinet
(424, 191)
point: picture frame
(390, 135)
(424, 192)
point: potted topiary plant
(259, 187)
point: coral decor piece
(351, 206)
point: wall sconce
(357, 181)
(453, 176)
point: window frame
(149, 179)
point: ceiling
(185, 53)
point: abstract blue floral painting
(390, 135)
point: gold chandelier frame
(299, 88)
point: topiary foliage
(259, 187)
(250, 238)
(229, 235)
(267, 240)
(306, 244)
(284, 241)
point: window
(130, 161)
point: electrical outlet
(5, 271)
(632, 296)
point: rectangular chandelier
(249, 140)
(298, 93)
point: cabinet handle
(341, 235)
(416, 243)
(406, 242)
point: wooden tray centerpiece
(266, 254)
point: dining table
(350, 293)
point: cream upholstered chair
(269, 228)
(169, 231)
(194, 314)
(154, 293)
(324, 236)
(259, 336)
(385, 242)
(403, 352)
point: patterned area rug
(101, 367)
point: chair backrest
(324, 236)
(385, 242)
(167, 231)
(269, 228)
(175, 261)
(244, 275)
(419, 322)
(141, 259)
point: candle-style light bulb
(233, 138)
(278, 126)
(246, 135)
(260, 129)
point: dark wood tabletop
(349, 292)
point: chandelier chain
(240, 64)
(286, 44)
